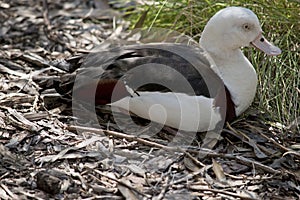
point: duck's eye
(246, 27)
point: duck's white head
(232, 28)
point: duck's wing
(154, 67)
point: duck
(186, 87)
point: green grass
(279, 77)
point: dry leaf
(127, 193)
(218, 170)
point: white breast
(240, 78)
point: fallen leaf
(218, 170)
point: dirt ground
(43, 155)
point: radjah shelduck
(185, 87)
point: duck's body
(188, 88)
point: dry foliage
(42, 155)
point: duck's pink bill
(261, 43)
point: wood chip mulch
(44, 155)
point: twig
(275, 143)
(163, 191)
(268, 138)
(8, 191)
(27, 194)
(298, 90)
(104, 197)
(46, 14)
(210, 153)
(194, 159)
(121, 182)
(226, 193)
(126, 136)
(250, 163)
(238, 133)
(242, 160)
(260, 178)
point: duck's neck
(238, 75)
